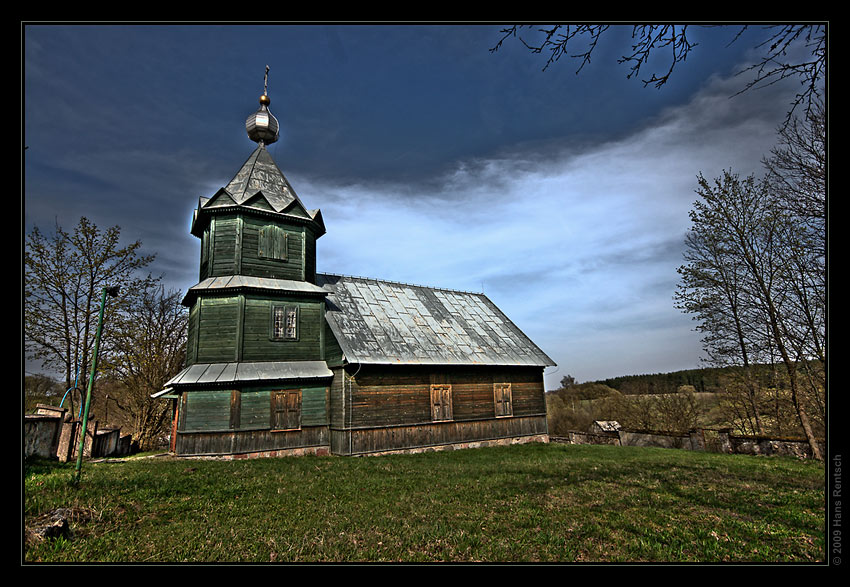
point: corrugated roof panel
(224, 373)
(385, 322)
(211, 374)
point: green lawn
(523, 503)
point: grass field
(523, 503)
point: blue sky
(563, 197)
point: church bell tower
(255, 347)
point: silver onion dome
(262, 126)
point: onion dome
(262, 126)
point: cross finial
(262, 126)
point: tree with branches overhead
(749, 280)
(774, 65)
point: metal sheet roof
(261, 174)
(223, 373)
(384, 322)
(246, 281)
(259, 179)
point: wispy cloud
(580, 249)
(576, 238)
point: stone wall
(758, 445)
(41, 436)
(720, 441)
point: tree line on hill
(679, 401)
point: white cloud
(580, 250)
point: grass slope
(524, 503)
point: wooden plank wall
(257, 345)
(388, 408)
(238, 328)
(239, 421)
(253, 264)
(401, 394)
(249, 441)
(371, 440)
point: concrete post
(697, 439)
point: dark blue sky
(434, 161)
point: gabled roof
(383, 322)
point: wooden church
(284, 360)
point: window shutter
(441, 402)
(503, 400)
(293, 409)
(272, 242)
(286, 410)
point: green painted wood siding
(333, 352)
(206, 411)
(279, 265)
(246, 245)
(218, 323)
(223, 232)
(248, 409)
(239, 328)
(314, 406)
(255, 410)
(257, 336)
(192, 338)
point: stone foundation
(544, 438)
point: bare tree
(765, 243)
(63, 276)
(149, 348)
(777, 62)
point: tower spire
(262, 126)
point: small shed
(604, 426)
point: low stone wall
(759, 445)
(629, 438)
(720, 441)
(592, 438)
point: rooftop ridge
(401, 283)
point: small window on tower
(272, 243)
(285, 323)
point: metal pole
(113, 291)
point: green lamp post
(113, 292)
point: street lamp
(113, 292)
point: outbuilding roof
(385, 322)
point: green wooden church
(284, 360)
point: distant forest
(709, 379)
